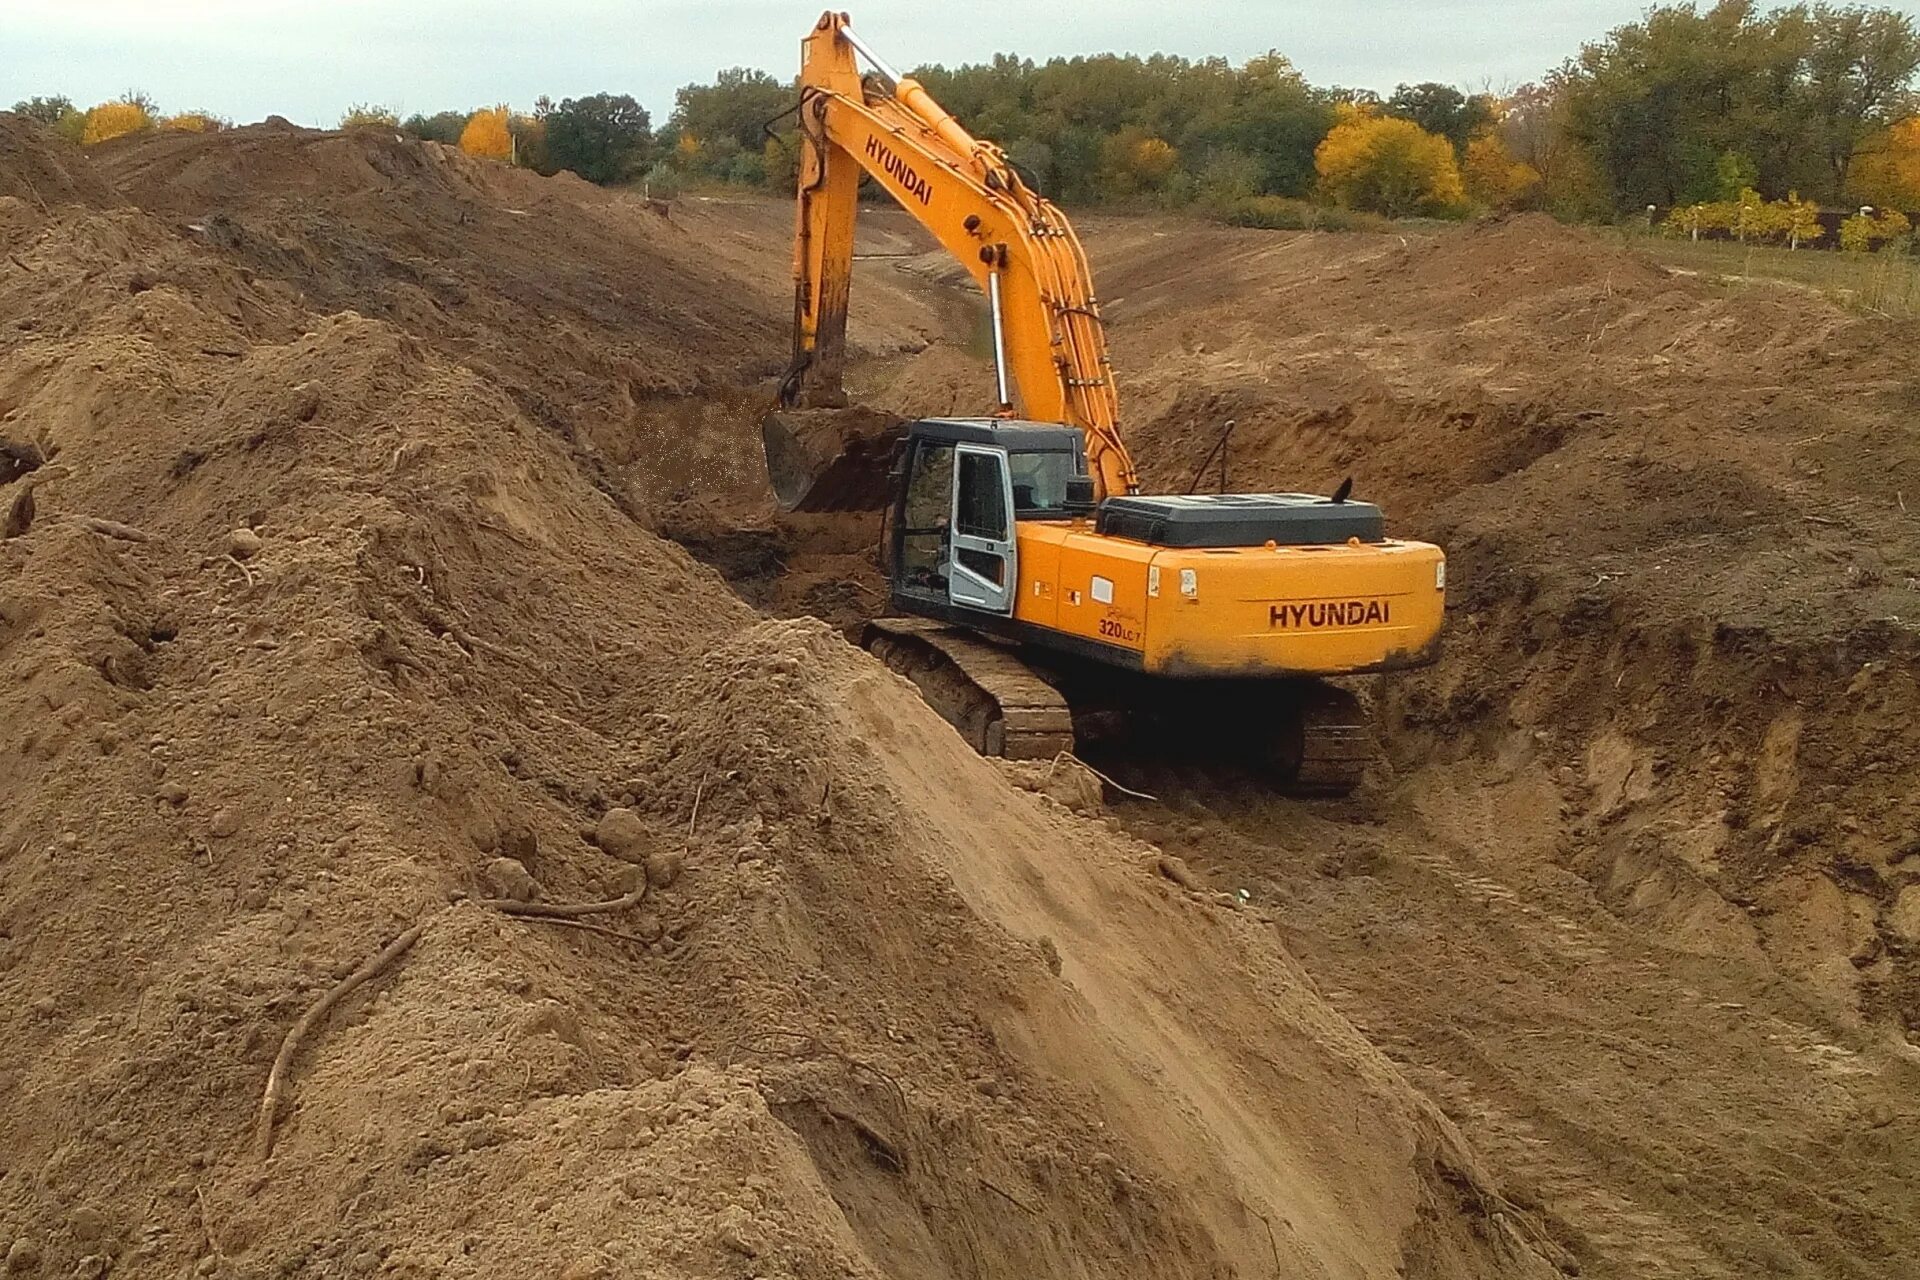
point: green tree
(726, 120)
(1859, 72)
(1033, 159)
(603, 138)
(1659, 102)
(441, 126)
(1733, 174)
(1442, 109)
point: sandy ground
(413, 864)
(333, 604)
(1632, 897)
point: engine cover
(1239, 520)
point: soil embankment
(332, 613)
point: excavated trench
(1633, 891)
(1565, 905)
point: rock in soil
(621, 834)
(508, 878)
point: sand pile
(316, 635)
(40, 174)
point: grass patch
(1885, 283)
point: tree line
(1724, 118)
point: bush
(662, 182)
(114, 120)
(530, 142)
(196, 122)
(441, 126)
(369, 115)
(1867, 231)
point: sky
(247, 59)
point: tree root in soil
(565, 910)
(279, 1078)
(634, 938)
(564, 913)
(282, 1073)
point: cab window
(1040, 482)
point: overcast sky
(308, 61)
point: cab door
(984, 571)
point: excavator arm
(1048, 335)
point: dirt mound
(612, 326)
(1670, 747)
(320, 638)
(1676, 515)
(42, 172)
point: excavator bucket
(830, 459)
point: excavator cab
(961, 486)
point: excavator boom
(1049, 341)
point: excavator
(1041, 602)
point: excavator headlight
(1189, 584)
(1440, 575)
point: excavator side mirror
(1080, 494)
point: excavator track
(1305, 738)
(1335, 743)
(982, 689)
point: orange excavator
(1042, 600)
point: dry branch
(282, 1073)
(114, 529)
(565, 910)
(582, 924)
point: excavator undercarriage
(1301, 736)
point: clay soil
(386, 558)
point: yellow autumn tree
(113, 120)
(1387, 165)
(1871, 229)
(1801, 220)
(488, 134)
(1134, 160)
(1886, 169)
(1493, 177)
(194, 122)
